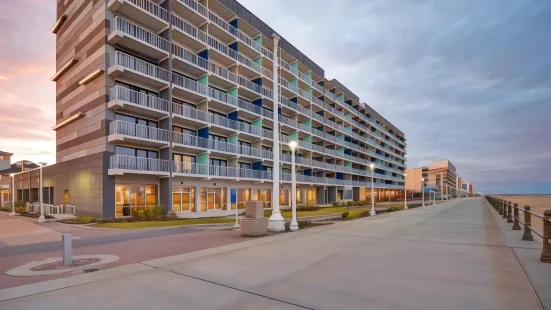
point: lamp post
(41, 218)
(433, 197)
(405, 193)
(372, 213)
(294, 224)
(423, 191)
(12, 194)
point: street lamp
(433, 197)
(405, 193)
(12, 194)
(41, 218)
(372, 213)
(294, 224)
(423, 192)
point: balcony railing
(223, 72)
(189, 57)
(219, 171)
(131, 96)
(189, 29)
(152, 8)
(139, 164)
(236, 125)
(121, 59)
(189, 112)
(189, 84)
(138, 131)
(223, 97)
(139, 33)
(249, 107)
(189, 140)
(196, 6)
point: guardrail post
(527, 225)
(516, 225)
(509, 212)
(546, 251)
(504, 203)
(500, 206)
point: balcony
(224, 98)
(189, 115)
(192, 10)
(188, 34)
(120, 131)
(226, 123)
(222, 76)
(185, 60)
(148, 13)
(121, 164)
(218, 172)
(249, 107)
(186, 88)
(126, 100)
(133, 37)
(132, 68)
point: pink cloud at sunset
(27, 96)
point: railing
(189, 57)
(223, 72)
(121, 59)
(139, 33)
(506, 209)
(189, 84)
(140, 164)
(131, 96)
(228, 123)
(249, 106)
(138, 131)
(196, 6)
(219, 171)
(189, 112)
(223, 24)
(152, 8)
(189, 29)
(189, 140)
(223, 97)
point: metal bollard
(516, 225)
(546, 251)
(500, 206)
(509, 212)
(504, 209)
(67, 240)
(527, 224)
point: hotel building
(191, 105)
(440, 176)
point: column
(197, 198)
(228, 198)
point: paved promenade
(448, 256)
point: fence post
(505, 209)
(527, 225)
(500, 206)
(516, 225)
(509, 212)
(546, 251)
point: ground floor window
(134, 196)
(213, 199)
(243, 195)
(264, 195)
(183, 198)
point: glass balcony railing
(138, 33)
(137, 98)
(195, 141)
(135, 64)
(138, 131)
(139, 164)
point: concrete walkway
(448, 256)
(17, 230)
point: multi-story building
(5, 180)
(192, 105)
(439, 176)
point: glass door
(176, 199)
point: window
(245, 165)
(183, 199)
(131, 196)
(245, 122)
(184, 103)
(267, 148)
(183, 163)
(136, 88)
(267, 168)
(285, 170)
(218, 138)
(218, 162)
(135, 120)
(218, 113)
(286, 152)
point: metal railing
(219, 171)
(511, 213)
(123, 162)
(189, 112)
(152, 8)
(130, 62)
(139, 33)
(223, 97)
(189, 57)
(189, 29)
(138, 131)
(131, 96)
(196, 6)
(189, 84)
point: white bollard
(67, 240)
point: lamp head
(372, 166)
(293, 144)
(422, 179)
(12, 174)
(405, 174)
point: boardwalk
(447, 256)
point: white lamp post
(294, 224)
(433, 197)
(423, 192)
(405, 193)
(12, 194)
(372, 213)
(41, 218)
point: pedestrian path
(447, 256)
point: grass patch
(166, 223)
(321, 211)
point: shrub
(394, 208)
(84, 219)
(349, 203)
(267, 213)
(301, 225)
(20, 210)
(172, 215)
(20, 204)
(150, 212)
(308, 208)
(365, 213)
(336, 204)
(345, 214)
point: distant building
(6, 169)
(440, 176)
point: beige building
(439, 176)
(192, 104)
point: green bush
(172, 215)
(395, 208)
(84, 219)
(349, 203)
(336, 204)
(365, 213)
(301, 225)
(267, 213)
(308, 208)
(20, 204)
(20, 210)
(345, 214)
(150, 212)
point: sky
(468, 81)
